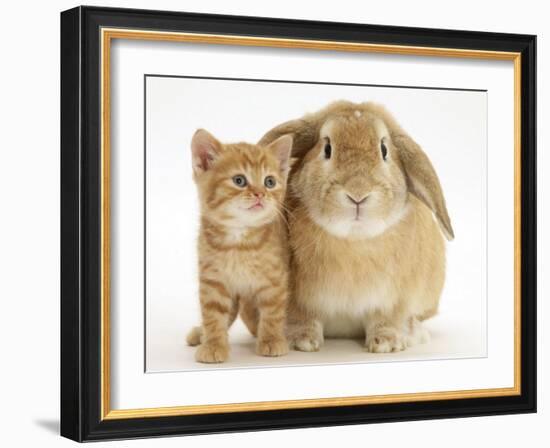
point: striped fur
(242, 247)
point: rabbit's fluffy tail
(416, 333)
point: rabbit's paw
(306, 337)
(386, 342)
(212, 353)
(307, 344)
(308, 341)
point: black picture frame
(81, 224)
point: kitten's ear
(205, 148)
(282, 148)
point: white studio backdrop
(180, 382)
(30, 185)
(451, 125)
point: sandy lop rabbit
(368, 257)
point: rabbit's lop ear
(205, 148)
(422, 180)
(303, 133)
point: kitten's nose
(357, 201)
(258, 194)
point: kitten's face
(243, 185)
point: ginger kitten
(243, 254)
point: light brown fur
(243, 253)
(373, 269)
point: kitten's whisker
(283, 217)
(287, 210)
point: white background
(451, 126)
(30, 236)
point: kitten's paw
(194, 337)
(272, 347)
(212, 353)
(386, 343)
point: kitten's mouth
(257, 206)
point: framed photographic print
(272, 223)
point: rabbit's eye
(239, 180)
(384, 150)
(328, 149)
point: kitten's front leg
(271, 301)
(218, 311)
(195, 335)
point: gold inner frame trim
(107, 35)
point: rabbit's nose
(357, 201)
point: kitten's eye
(328, 149)
(383, 149)
(239, 180)
(270, 182)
